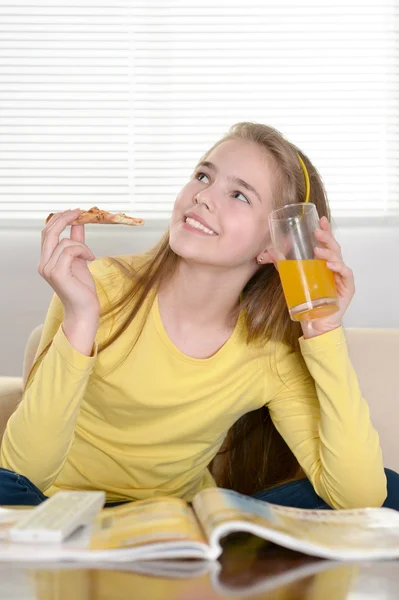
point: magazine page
(357, 534)
(144, 530)
(147, 522)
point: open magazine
(169, 528)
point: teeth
(197, 225)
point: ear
(266, 257)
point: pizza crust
(102, 217)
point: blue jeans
(17, 490)
(300, 494)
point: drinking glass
(308, 285)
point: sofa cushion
(374, 354)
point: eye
(244, 197)
(198, 175)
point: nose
(198, 200)
(204, 198)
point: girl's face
(220, 217)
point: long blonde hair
(254, 455)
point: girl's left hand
(330, 250)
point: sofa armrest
(11, 389)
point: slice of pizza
(102, 217)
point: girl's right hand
(63, 265)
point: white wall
(371, 251)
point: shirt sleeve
(41, 430)
(320, 412)
(40, 433)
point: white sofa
(374, 353)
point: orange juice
(309, 288)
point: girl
(148, 364)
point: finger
(51, 234)
(53, 218)
(78, 233)
(340, 285)
(68, 242)
(328, 240)
(56, 217)
(345, 272)
(62, 268)
(325, 224)
(65, 244)
(327, 254)
(272, 255)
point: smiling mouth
(197, 225)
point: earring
(260, 260)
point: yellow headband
(307, 181)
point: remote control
(58, 517)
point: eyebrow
(235, 180)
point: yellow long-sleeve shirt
(148, 422)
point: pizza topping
(96, 215)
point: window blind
(112, 104)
